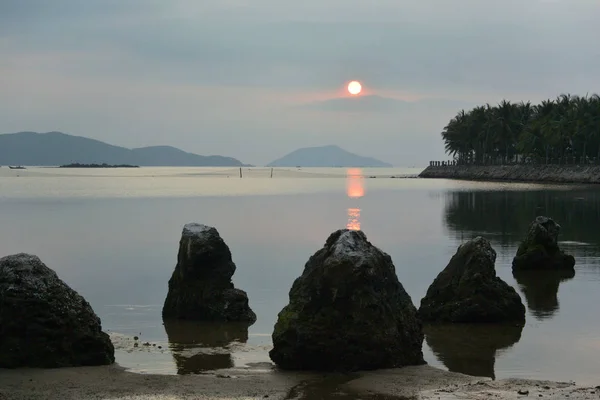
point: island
(557, 140)
(103, 165)
(330, 156)
(57, 148)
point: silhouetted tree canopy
(568, 126)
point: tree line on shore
(561, 128)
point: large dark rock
(347, 311)
(43, 322)
(468, 290)
(200, 288)
(540, 250)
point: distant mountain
(326, 156)
(56, 148)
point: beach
(421, 382)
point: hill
(326, 156)
(56, 148)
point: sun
(354, 87)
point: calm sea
(113, 236)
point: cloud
(380, 104)
(216, 73)
(483, 45)
(368, 103)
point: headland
(553, 173)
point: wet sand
(254, 376)
(260, 382)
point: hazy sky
(254, 79)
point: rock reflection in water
(470, 348)
(504, 215)
(331, 388)
(203, 346)
(541, 290)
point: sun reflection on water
(353, 219)
(354, 189)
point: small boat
(16, 167)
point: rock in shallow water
(201, 288)
(540, 249)
(43, 322)
(347, 311)
(468, 290)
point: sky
(257, 79)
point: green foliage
(568, 126)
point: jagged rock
(43, 322)
(347, 311)
(540, 249)
(468, 290)
(201, 288)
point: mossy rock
(200, 288)
(43, 322)
(347, 312)
(540, 251)
(468, 290)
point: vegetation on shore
(103, 165)
(568, 126)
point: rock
(43, 322)
(468, 290)
(347, 311)
(540, 249)
(200, 288)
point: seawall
(516, 173)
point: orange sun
(354, 88)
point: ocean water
(113, 236)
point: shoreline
(259, 378)
(257, 382)
(570, 174)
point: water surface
(113, 236)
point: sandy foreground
(257, 378)
(262, 381)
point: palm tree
(478, 120)
(567, 126)
(455, 136)
(504, 125)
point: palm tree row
(565, 128)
